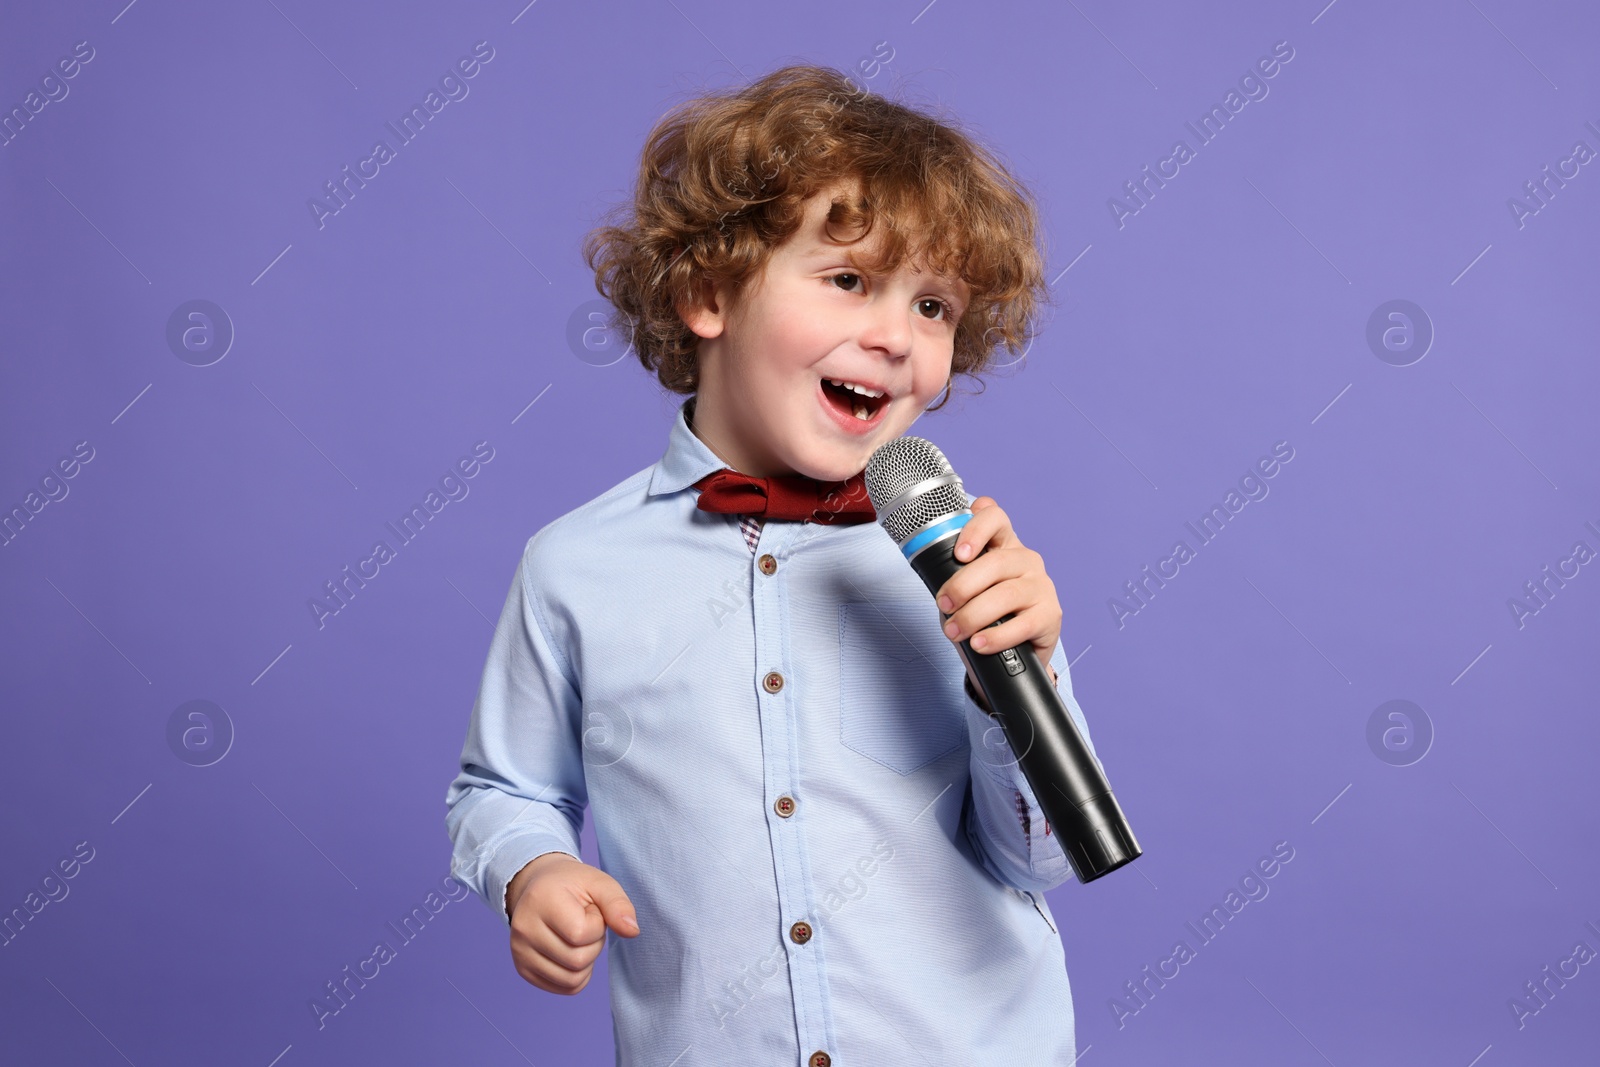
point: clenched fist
(560, 908)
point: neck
(712, 430)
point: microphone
(920, 502)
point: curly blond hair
(722, 181)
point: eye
(949, 312)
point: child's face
(764, 403)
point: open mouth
(850, 403)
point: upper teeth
(863, 390)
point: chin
(838, 461)
(830, 473)
(832, 468)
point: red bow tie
(786, 496)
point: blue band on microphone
(933, 533)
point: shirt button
(784, 806)
(772, 682)
(819, 1059)
(800, 933)
(767, 563)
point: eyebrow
(825, 251)
(960, 291)
(821, 251)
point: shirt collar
(688, 459)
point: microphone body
(1068, 782)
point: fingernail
(963, 551)
(980, 641)
(951, 629)
(944, 603)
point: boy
(816, 847)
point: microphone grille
(912, 464)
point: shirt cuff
(509, 859)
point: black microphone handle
(1067, 781)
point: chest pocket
(900, 701)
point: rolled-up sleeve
(520, 792)
(1004, 823)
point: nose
(886, 327)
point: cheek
(790, 343)
(932, 376)
(910, 410)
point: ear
(706, 312)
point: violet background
(432, 311)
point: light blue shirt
(760, 750)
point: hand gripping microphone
(921, 503)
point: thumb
(606, 893)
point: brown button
(767, 563)
(773, 681)
(800, 933)
(784, 806)
(819, 1059)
